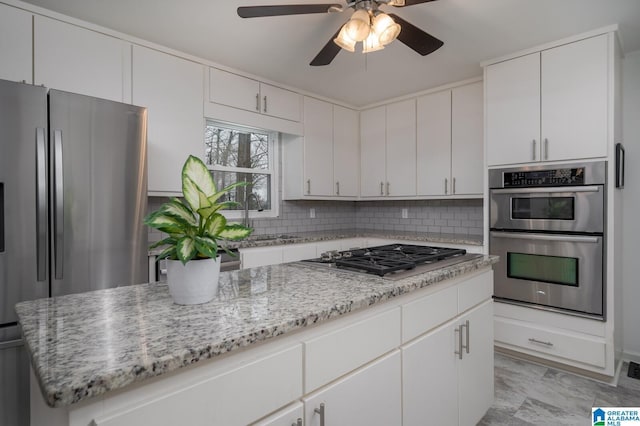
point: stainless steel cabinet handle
(459, 351)
(466, 327)
(41, 213)
(546, 237)
(58, 222)
(308, 186)
(546, 148)
(321, 412)
(532, 340)
(388, 191)
(258, 102)
(453, 191)
(297, 423)
(381, 188)
(337, 188)
(264, 104)
(446, 186)
(534, 149)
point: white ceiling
(280, 48)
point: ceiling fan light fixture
(372, 43)
(344, 41)
(386, 29)
(358, 26)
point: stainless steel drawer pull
(381, 188)
(258, 102)
(308, 186)
(466, 326)
(337, 188)
(388, 191)
(321, 412)
(546, 148)
(532, 340)
(446, 185)
(453, 191)
(534, 149)
(264, 105)
(297, 423)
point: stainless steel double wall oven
(547, 224)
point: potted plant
(195, 227)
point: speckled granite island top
(86, 344)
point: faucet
(245, 220)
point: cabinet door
(172, 90)
(372, 152)
(370, 396)
(15, 44)
(475, 375)
(279, 102)
(429, 385)
(401, 149)
(288, 416)
(346, 152)
(575, 100)
(74, 59)
(318, 147)
(434, 144)
(513, 110)
(467, 148)
(260, 256)
(234, 90)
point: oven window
(548, 269)
(555, 208)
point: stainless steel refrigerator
(73, 187)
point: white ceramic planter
(193, 283)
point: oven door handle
(546, 237)
(555, 189)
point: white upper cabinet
(172, 90)
(401, 149)
(15, 44)
(467, 147)
(74, 59)
(449, 142)
(318, 147)
(346, 152)
(550, 105)
(373, 152)
(574, 100)
(323, 163)
(513, 110)
(240, 92)
(434, 144)
(387, 157)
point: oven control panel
(550, 177)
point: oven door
(564, 209)
(553, 271)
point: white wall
(631, 200)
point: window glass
(239, 154)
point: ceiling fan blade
(287, 9)
(415, 38)
(403, 3)
(328, 52)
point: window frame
(273, 170)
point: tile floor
(530, 394)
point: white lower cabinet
(291, 415)
(370, 396)
(260, 256)
(446, 374)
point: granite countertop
(310, 237)
(86, 344)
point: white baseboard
(631, 356)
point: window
(235, 154)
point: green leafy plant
(195, 225)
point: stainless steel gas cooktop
(394, 261)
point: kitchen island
(275, 338)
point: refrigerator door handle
(41, 207)
(58, 222)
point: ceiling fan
(368, 24)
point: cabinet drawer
(236, 397)
(474, 291)
(552, 342)
(428, 312)
(295, 252)
(332, 355)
